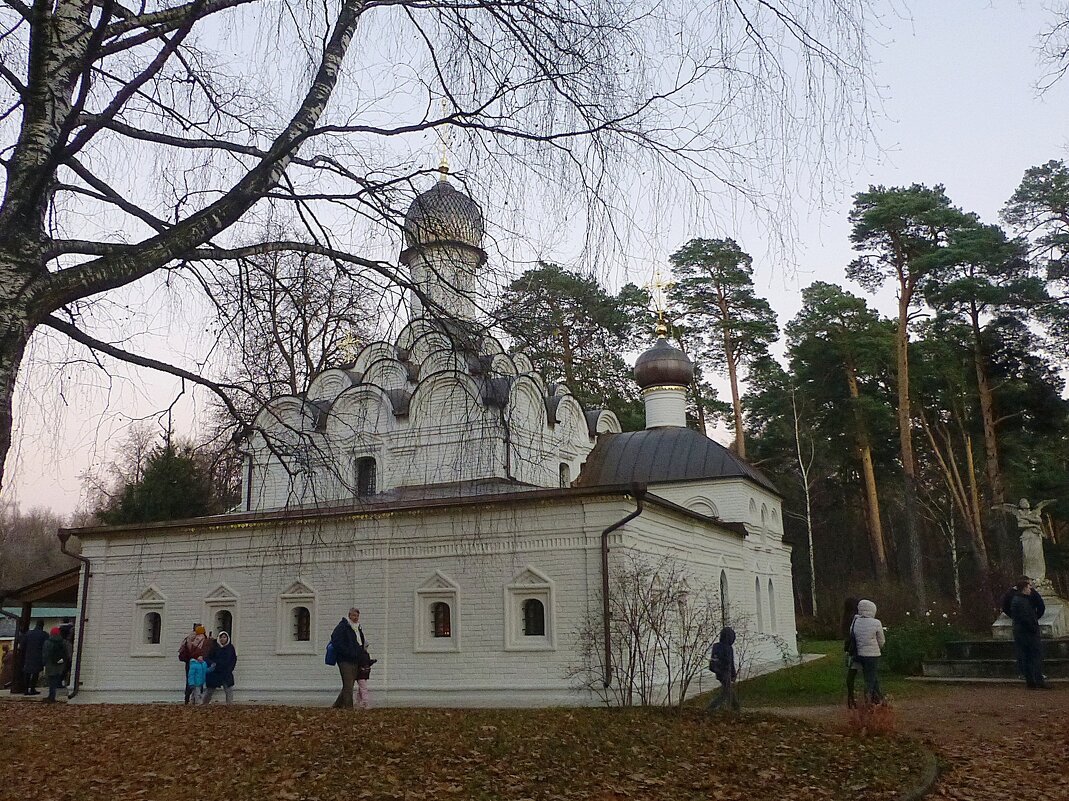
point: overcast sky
(959, 108)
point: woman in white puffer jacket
(868, 632)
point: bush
(872, 719)
(916, 640)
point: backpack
(328, 657)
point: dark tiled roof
(659, 455)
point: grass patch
(820, 682)
(175, 753)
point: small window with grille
(440, 620)
(302, 624)
(365, 477)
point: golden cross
(657, 289)
(349, 346)
(446, 136)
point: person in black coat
(1025, 607)
(722, 663)
(33, 642)
(221, 662)
(349, 651)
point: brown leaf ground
(993, 741)
(172, 753)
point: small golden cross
(657, 289)
(349, 346)
(446, 137)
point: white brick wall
(377, 563)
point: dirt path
(993, 742)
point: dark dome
(659, 455)
(664, 365)
(442, 214)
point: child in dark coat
(722, 663)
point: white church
(467, 507)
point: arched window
(771, 607)
(365, 476)
(224, 621)
(146, 635)
(723, 598)
(565, 475)
(534, 618)
(295, 622)
(153, 628)
(760, 605)
(302, 624)
(440, 620)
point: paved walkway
(993, 742)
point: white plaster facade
(437, 483)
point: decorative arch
(372, 352)
(425, 344)
(524, 365)
(387, 373)
(444, 398)
(362, 411)
(703, 505)
(526, 404)
(331, 383)
(572, 420)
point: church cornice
(350, 513)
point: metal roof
(659, 455)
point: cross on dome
(657, 289)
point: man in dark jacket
(32, 660)
(348, 642)
(722, 663)
(56, 655)
(1025, 608)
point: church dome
(664, 365)
(443, 214)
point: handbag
(328, 657)
(850, 646)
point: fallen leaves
(171, 753)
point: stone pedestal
(1053, 624)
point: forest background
(891, 439)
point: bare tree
(661, 628)
(29, 550)
(150, 140)
(1054, 46)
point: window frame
(439, 588)
(150, 601)
(297, 594)
(222, 599)
(530, 584)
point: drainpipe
(639, 492)
(65, 535)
